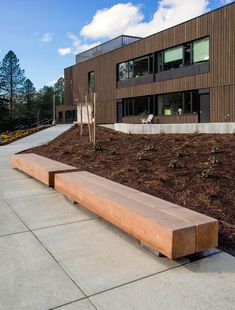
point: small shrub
(175, 164)
(207, 173)
(180, 153)
(148, 147)
(97, 147)
(186, 144)
(213, 161)
(215, 150)
(140, 156)
(114, 152)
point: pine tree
(29, 93)
(59, 91)
(12, 78)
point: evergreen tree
(59, 91)
(12, 78)
(29, 93)
(45, 102)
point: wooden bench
(168, 228)
(39, 167)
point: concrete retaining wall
(220, 128)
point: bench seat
(39, 167)
(168, 228)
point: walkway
(57, 255)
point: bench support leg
(148, 248)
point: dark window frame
(191, 63)
(91, 88)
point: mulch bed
(196, 171)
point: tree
(45, 102)
(29, 93)
(59, 91)
(12, 78)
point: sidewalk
(54, 254)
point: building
(184, 74)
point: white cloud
(77, 45)
(110, 22)
(64, 51)
(127, 18)
(47, 37)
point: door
(204, 108)
(119, 112)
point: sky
(47, 34)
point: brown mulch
(142, 162)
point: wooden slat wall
(219, 25)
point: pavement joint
(149, 276)
(52, 256)
(16, 233)
(63, 224)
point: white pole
(81, 129)
(54, 111)
(88, 119)
(94, 116)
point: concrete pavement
(57, 255)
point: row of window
(186, 54)
(168, 104)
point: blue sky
(46, 35)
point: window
(123, 71)
(141, 66)
(178, 103)
(183, 55)
(60, 116)
(70, 115)
(135, 68)
(201, 50)
(91, 81)
(173, 57)
(138, 106)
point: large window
(178, 103)
(173, 58)
(135, 68)
(138, 106)
(91, 81)
(201, 50)
(183, 55)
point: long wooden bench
(168, 228)
(40, 167)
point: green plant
(175, 164)
(148, 147)
(213, 161)
(215, 150)
(207, 173)
(145, 113)
(140, 156)
(97, 147)
(186, 144)
(180, 153)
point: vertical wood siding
(219, 25)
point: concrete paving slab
(83, 304)
(98, 256)
(22, 188)
(30, 277)
(5, 165)
(48, 210)
(12, 174)
(205, 284)
(9, 222)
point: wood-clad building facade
(183, 74)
